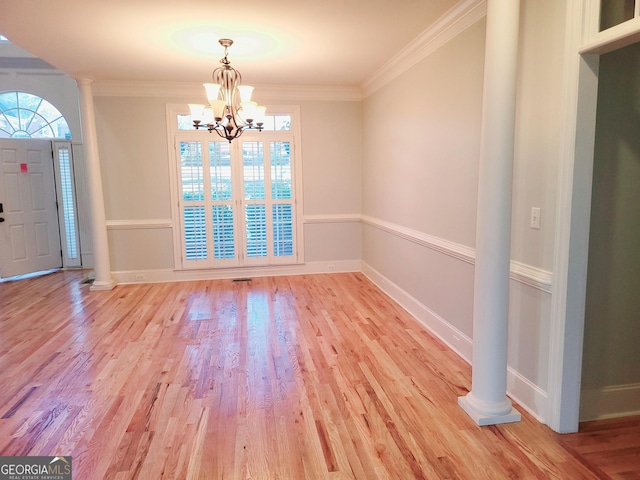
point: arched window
(23, 115)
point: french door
(236, 200)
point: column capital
(85, 81)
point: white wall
(135, 170)
(421, 173)
(332, 169)
(420, 187)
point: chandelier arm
(219, 132)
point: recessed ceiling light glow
(204, 41)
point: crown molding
(456, 20)
(190, 90)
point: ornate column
(487, 403)
(102, 267)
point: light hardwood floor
(301, 377)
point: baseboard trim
(525, 393)
(610, 402)
(124, 277)
(451, 336)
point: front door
(29, 231)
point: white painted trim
(172, 110)
(590, 21)
(524, 392)
(575, 167)
(613, 38)
(520, 272)
(169, 275)
(464, 14)
(337, 218)
(451, 336)
(138, 224)
(186, 90)
(532, 276)
(456, 250)
(527, 395)
(610, 402)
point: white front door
(29, 232)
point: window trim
(172, 110)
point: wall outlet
(138, 277)
(535, 218)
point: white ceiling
(277, 42)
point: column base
(102, 285)
(483, 419)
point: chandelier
(227, 114)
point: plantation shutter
(282, 199)
(237, 202)
(222, 211)
(194, 219)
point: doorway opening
(39, 221)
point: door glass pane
(615, 12)
(195, 233)
(282, 230)
(253, 168)
(220, 170)
(280, 170)
(191, 171)
(256, 228)
(223, 241)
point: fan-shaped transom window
(23, 115)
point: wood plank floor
(301, 377)
(609, 447)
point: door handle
(1, 219)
